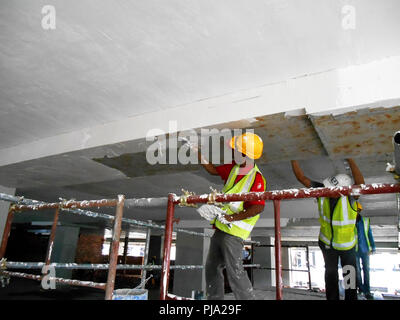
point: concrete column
(264, 279)
(4, 206)
(155, 249)
(65, 244)
(155, 255)
(191, 250)
(285, 265)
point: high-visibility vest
(365, 222)
(242, 228)
(337, 229)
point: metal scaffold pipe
(146, 202)
(396, 147)
(38, 205)
(71, 282)
(89, 266)
(333, 192)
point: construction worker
(227, 242)
(364, 248)
(337, 237)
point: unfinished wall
(89, 248)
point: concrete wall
(264, 279)
(190, 250)
(65, 244)
(4, 206)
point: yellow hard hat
(249, 144)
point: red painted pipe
(52, 237)
(355, 190)
(112, 270)
(6, 233)
(278, 255)
(167, 248)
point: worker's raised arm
(204, 162)
(299, 174)
(355, 171)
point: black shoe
(369, 296)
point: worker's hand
(191, 145)
(222, 219)
(228, 217)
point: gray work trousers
(226, 251)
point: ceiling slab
(363, 132)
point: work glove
(211, 212)
(189, 144)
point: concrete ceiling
(265, 65)
(107, 62)
(124, 169)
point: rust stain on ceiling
(288, 137)
(358, 133)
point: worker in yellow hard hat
(248, 144)
(238, 218)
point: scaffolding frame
(20, 204)
(77, 207)
(274, 196)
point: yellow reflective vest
(242, 228)
(337, 229)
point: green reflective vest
(366, 228)
(242, 228)
(337, 229)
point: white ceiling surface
(124, 58)
(106, 62)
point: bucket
(130, 294)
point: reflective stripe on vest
(341, 222)
(343, 246)
(242, 228)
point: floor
(24, 289)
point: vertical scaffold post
(112, 269)
(52, 237)
(167, 248)
(6, 233)
(278, 256)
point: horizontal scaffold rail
(71, 282)
(29, 204)
(332, 192)
(97, 266)
(101, 266)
